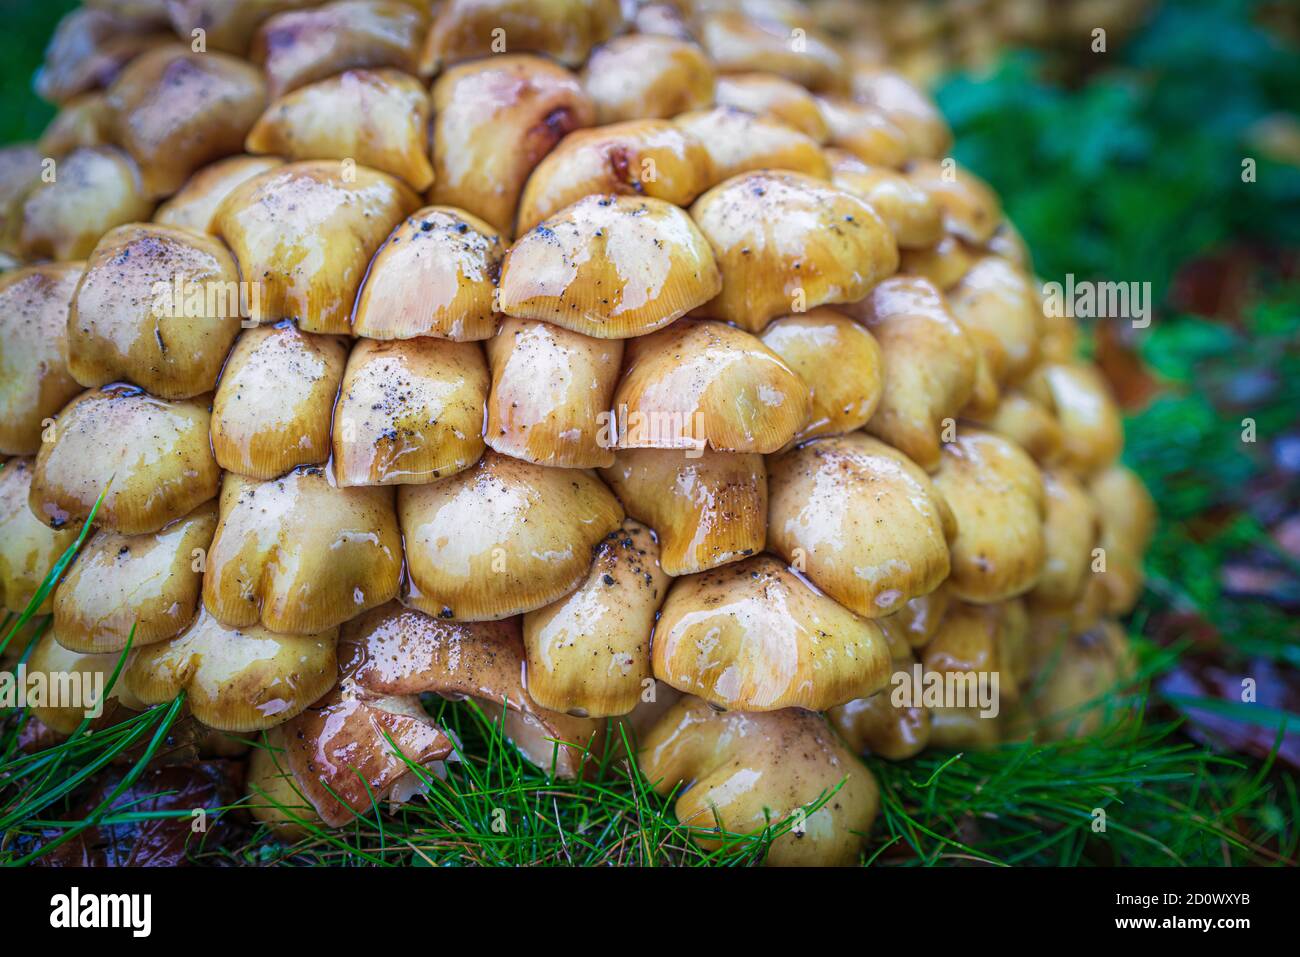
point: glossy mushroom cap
(34, 379)
(409, 411)
(971, 210)
(641, 76)
(998, 306)
(611, 267)
(96, 188)
(552, 394)
(1128, 520)
(589, 653)
(401, 651)
(929, 366)
(142, 588)
(298, 47)
(158, 307)
(239, 680)
(766, 94)
(300, 554)
(865, 132)
(984, 641)
(706, 509)
(149, 458)
(273, 406)
(501, 538)
(996, 494)
(1091, 427)
(739, 142)
(28, 547)
(306, 231)
(1070, 530)
(743, 773)
(840, 363)
(494, 120)
(878, 725)
(563, 29)
(906, 107)
(194, 205)
(701, 383)
(90, 47)
(910, 212)
(737, 43)
(861, 520)
(652, 158)
(1077, 697)
(753, 636)
(434, 276)
(176, 110)
(786, 242)
(1029, 421)
(86, 680)
(378, 118)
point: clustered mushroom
(633, 363)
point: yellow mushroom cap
(748, 772)
(194, 205)
(34, 379)
(563, 29)
(706, 509)
(786, 242)
(737, 43)
(879, 725)
(700, 382)
(861, 520)
(642, 76)
(28, 547)
(589, 653)
(910, 212)
(767, 94)
(753, 636)
(865, 132)
(300, 554)
(611, 267)
(76, 687)
(434, 276)
(998, 306)
(1091, 427)
(996, 493)
(149, 458)
(1128, 519)
(971, 210)
(236, 679)
(97, 188)
(1070, 530)
(739, 142)
(906, 106)
(501, 538)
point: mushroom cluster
(636, 361)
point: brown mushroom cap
(767, 94)
(501, 538)
(274, 797)
(589, 653)
(865, 132)
(611, 267)
(82, 677)
(996, 493)
(195, 204)
(1029, 421)
(929, 365)
(786, 242)
(983, 640)
(434, 276)
(652, 158)
(753, 636)
(971, 210)
(642, 76)
(943, 264)
(228, 25)
(34, 379)
(739, 142)
(700, 382)
(28, 548)
(235, 679)
(1073, 700)
(563, 29)
(1091, 426)
(494, 120)
(20, 171)
(861, 520)
(839, 361)
(301, 554)
(737, 43)
(300, 46)
(552, 394)
(89, 48)
(379, 118)
(706, 510)
(1070, 529)
(157, 306)
(1128, 519)
(176, 110)
(272, 410)
(96, 188)
(144, 588)
(998, 306)
(346, 752)
(86, 120)
(148, 457)
(399, 651)
(306, 232)
(748, 772)
(910, 212)
(905, 106)
(878, 725)
(410, 411)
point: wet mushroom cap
(148, 457)
(563, 29)
(766, 94)
(195, 204)
(611, 267)
(753, 636)
(739, 142)
(589, 653)
(640, 76)
(706, 509)
(501, 538)
(97, 188)
(861, 520)
(28, 547)
(235, 679)
(747, 772)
